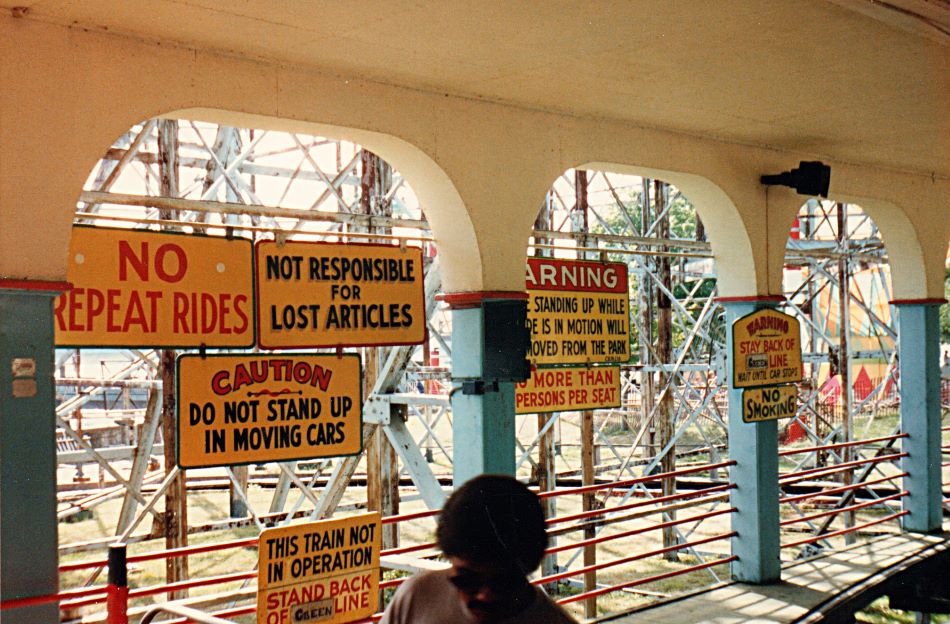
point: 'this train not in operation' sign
(133, 288)
(325, 571)
(577, 311)
(568, 388)
(331, 294)
(239, 409)
(767, 349)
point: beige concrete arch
(914, 220)
(727, 234)
(443, 205)
(482, 167)
(466, 159)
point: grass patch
(880, 612)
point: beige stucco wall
(481, 169)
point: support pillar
(754, 448)
(28, 537)
(488, 352)
(919, 358)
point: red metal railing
(837, 487)
(116, 597)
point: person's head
(492, 531)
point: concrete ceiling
(863, 81)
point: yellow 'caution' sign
(771, 403)
(239, 409)
(569, 388)
(133, 288)
(767, 349)
(331, 294)
(577, 311)
(325, 571)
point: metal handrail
(188, 612)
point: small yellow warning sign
(325, 571)
(767, 349)
(769, 403)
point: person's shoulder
(546, 610)
(416, 596)
(428, 580)
(425, 583)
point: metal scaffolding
(198, 177)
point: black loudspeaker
(506, 340)
(810, 178)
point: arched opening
(837, 282)
(668, 410)
(116, 440)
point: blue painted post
(28, 539)
(919, 356)
(754, 448)
(483, 421)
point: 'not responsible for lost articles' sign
(325, 571)
(577, 311)
(330, 294)
(239, 409)
(133, 288)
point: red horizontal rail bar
(82, 565)
(648, 579)
(191, 550)
(405, 549)
(583, 489)
(211, 580)
(73, 598)
(826, 447)
(835, 512)
(838, 490)
(393, 582)
(857, 527)
(641, 503)
(797, 476)
(28, 601)
(84, 602)
(607, 564)
(647, 529)
(411, 516)
(82, 592)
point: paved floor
(805, 586)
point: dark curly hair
(495, 520)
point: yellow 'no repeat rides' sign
(325, 571)
(332, 294)
(134, 288)
(239, 409)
